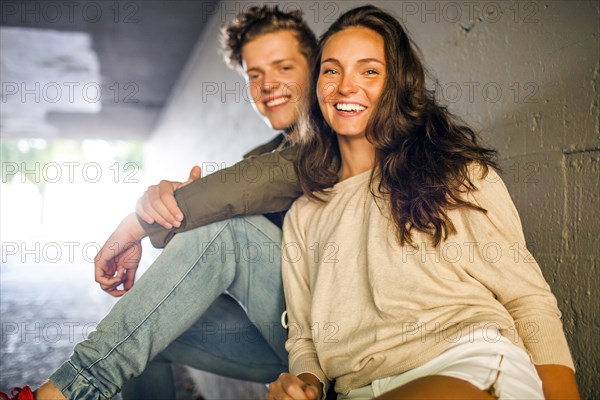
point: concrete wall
(525, 74)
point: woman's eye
(329, 72)
(371, 72)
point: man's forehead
(268, 49)
(270, 63)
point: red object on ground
(23, 393)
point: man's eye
(329, 72)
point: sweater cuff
(310, 366)
(545, 341)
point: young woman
(405, 268)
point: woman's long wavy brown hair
(422, 152)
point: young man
(213, 298)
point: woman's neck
(358, 156)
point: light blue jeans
(212, 300)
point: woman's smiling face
(351, 79)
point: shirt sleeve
(509, 271)
(256, 185)
(297, 288)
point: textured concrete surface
(141, 47)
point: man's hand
(158, 203)
(290, 387)
(117, 261)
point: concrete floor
(45, 311)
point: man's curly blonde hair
(259, 21)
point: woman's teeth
(349, 107)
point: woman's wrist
(312, 380)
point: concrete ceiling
(141, 48)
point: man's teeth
(277, 101)
(349, 107)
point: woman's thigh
(475, 367)
(428, 387)
(437, 387)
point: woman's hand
(290, 387)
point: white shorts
(492, 363)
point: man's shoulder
(267, 147)
(285, 153)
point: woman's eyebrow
(368, 60)
(361, 61)
(333, 60)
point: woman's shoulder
(329, 199)
(482, 180)
(480, 173)
(486, 188)
(305, 204)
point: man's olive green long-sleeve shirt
(263, 182)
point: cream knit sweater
(361, 307)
